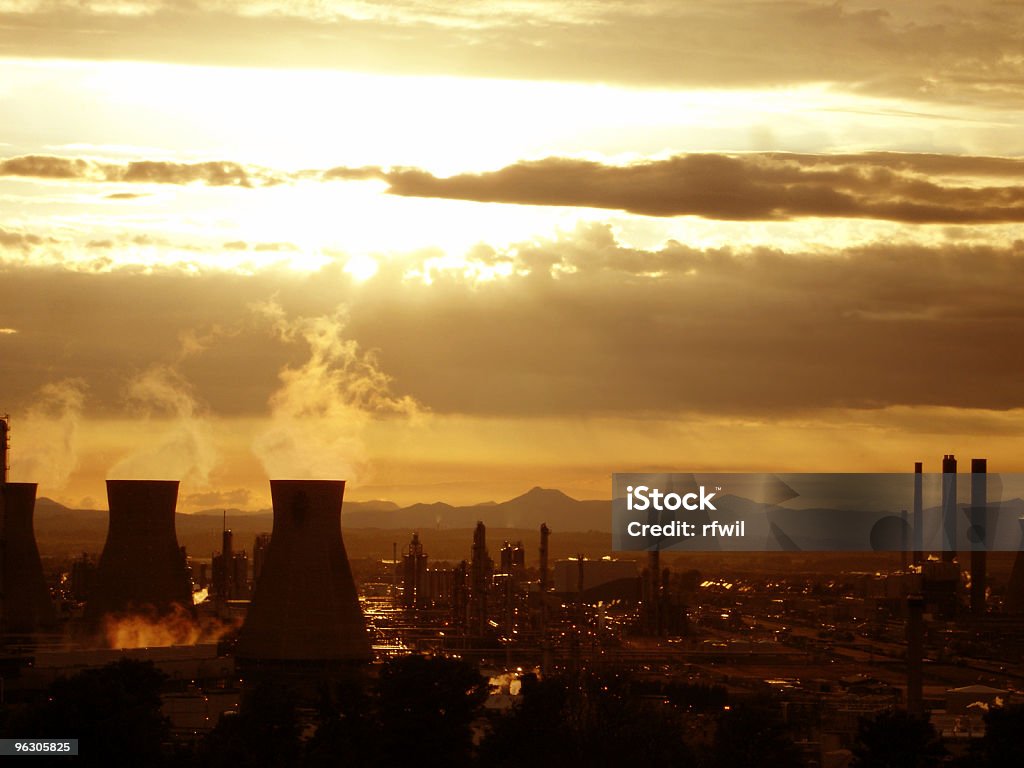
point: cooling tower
(142, 570)
(305, 607)
(26, 599)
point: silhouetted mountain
(536, 506)
(62, 530)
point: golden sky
(449, 251)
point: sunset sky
(450, 251)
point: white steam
(44, 443)
(319, 412)
(182, 446)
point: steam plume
(183, 449)
(321, 408)
(44, 443)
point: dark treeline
(430, 712)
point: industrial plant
(825, 641)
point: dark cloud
(214, 174)
(123, 196)
(590, 328)
(25, 244)
(921, 49)
(45, 167)
(19, 240)
(765, 186)
(275, 247)
(913, 188)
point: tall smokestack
(918, 514)
(904, 539)
(479, 573)
(545, 532)
(305, 607)
(26, 605)
(915, 654)
(5, 446)
(653, 591)
(225, 585)
(141, 570)
(948, 508)
(979, 520)
(1015, 589)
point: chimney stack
(545, 532)
(979, 521)
(1015, 589)
(5, 445)
(142, 570)
(948, 508)
(305, 607)
(918, 514)
(915, 654)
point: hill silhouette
(61, 530)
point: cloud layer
(909, 188)
(581, 326)
(918, 49)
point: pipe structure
(305, 607)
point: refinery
(822, 641)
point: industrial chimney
(918, 513)
(979, 521)
(949, 508)
(5, 445)
(1015, 589)
(26, 599)
(545, 533)
(141, 570)
(305, 607)
(915, 654)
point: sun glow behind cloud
(300, 118)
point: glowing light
(362, 267)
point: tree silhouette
(426, 707)
(264, 733)
(113, 711)
(589, 720)
(348, 729)
(896, 739)
(1003, 742)
(753, 735)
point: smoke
(322, 407)
(44, 443)
(141, 630)
(182, 444)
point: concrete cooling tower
(305, 607)
(142, 570)
(26, 600)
